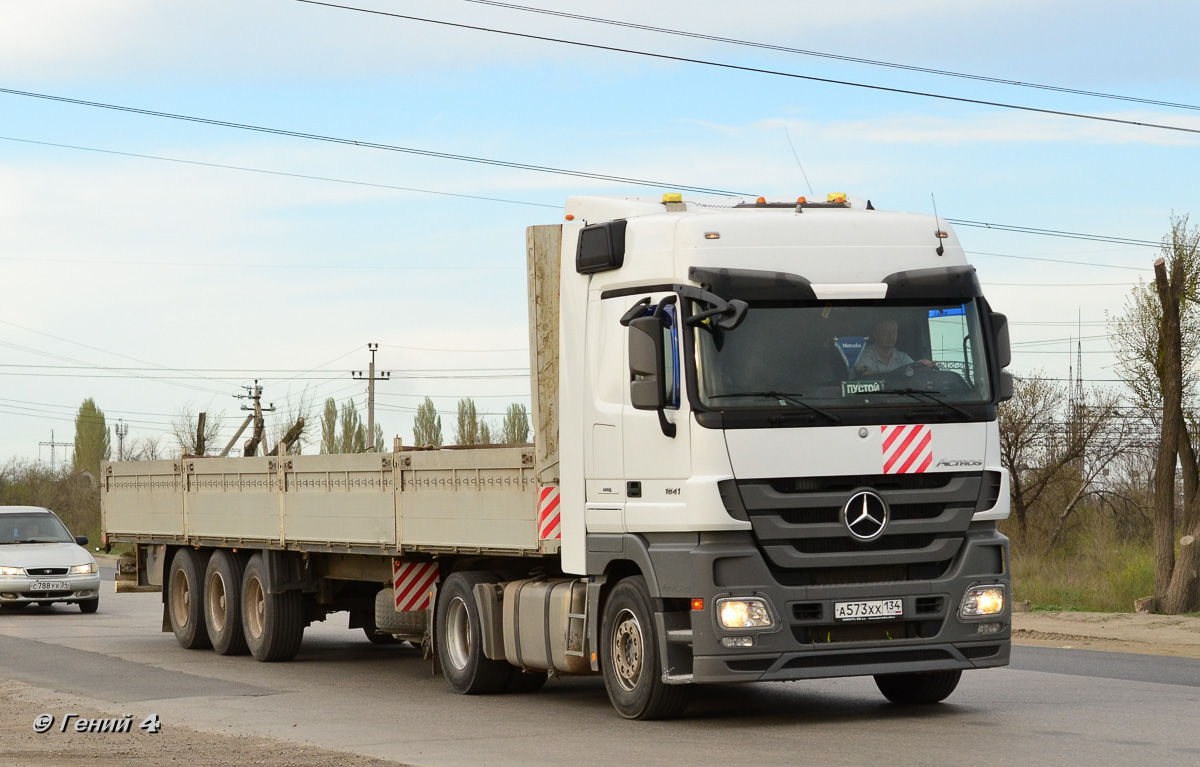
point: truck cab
(781, 416)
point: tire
(223, 603)
(89, 605)
(525, 681)
(918, 688)
(185, 599)
(629, 656)
(273, 624)
(460, 641)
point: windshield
(33, 528)
(845, 354)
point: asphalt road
(1051, 707)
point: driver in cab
(881, 356)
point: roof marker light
(712, 235)
(570, 217)
(761, 201)
(836, 197)
(672, 197)
(801, 200)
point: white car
(41, 563)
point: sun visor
(753, 284)
(937, 283)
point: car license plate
(868, 611)
(49, 586)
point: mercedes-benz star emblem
(865, 515)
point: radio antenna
(938, 223)
(788, 133)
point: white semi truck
(765, 448)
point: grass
(1097, 574)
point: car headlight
(84, 569)
(744, 613)
(979, 601)
(6, 570)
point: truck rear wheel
(223, 603)
(919, 687)
(629, 656)
(460, 639)
(185, 599)
(273, 623)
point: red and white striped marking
(907, 449)
(548, 517)
(411, 582)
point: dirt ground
(21, 746)
(1175, 635)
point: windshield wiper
(915, 393)
(783, 397)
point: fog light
(988, 628)
(982, 600)
(737, 641)
(749, 613)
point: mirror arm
(668, 428)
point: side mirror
(81, 540)
(1006, 385)
(647, 389)
(1000, 333)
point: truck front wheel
(918, 687)
(460, 638)
(273, 623)
(630, 660)
(185, 599)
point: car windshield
(32, 527)
(846, 354)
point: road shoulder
(1174, 635)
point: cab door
(657, 465)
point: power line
(1055, 232)
(376, 145)
(280, 173)
(1056, 260)
(834, 56)
(756, 70)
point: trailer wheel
(460, 641)
(223, 603)
(629, 656)
(185, 599)
(273, 623)
(919, 687)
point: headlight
(744, 614)
(84, 569)
(982, 600)
(5, 570)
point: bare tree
(184, 426)
(296, 409)
(146, 448)
(1163, 346)
(1056, 451)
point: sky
(149, 263)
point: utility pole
(122, 430)
(252, 393)
(53, 445)
(371, 378)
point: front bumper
(808, 642)
(18, 589)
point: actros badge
(865, 515)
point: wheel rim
(256, 608)
(181, 597)
(458, 633)
(627, 652)
(215, 595)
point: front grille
(867, 631)
(797, 524)
(46, 570)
